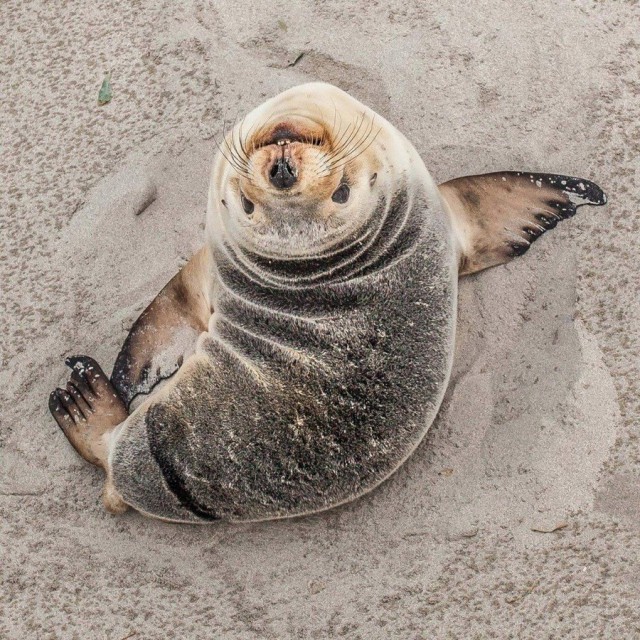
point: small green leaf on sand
(282, 24)
(105, 94)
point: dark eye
(341, 194)
(247, 205)
(372, 179)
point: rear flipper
(88, 411)
(167, 330)
(497, 216)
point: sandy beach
(519, 514)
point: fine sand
(519, 515)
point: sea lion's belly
(297, 413)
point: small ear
(496, 216)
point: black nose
(282, 175)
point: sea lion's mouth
(284, 134)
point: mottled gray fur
(316, 380)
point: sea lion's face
(299, 174)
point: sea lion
(313, 333)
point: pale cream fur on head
(341, 141)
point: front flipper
(166, 331)
(497, 216)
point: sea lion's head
(300, 174)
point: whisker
(335, 110)
(338, 143)
(336, 153)
(354, 145)
(259, 129)
(229, 148)
(322, 159)
(341, 134)
(231, 163)
(231, 158)
(339, 127)
(240, 139)
(354, 142)
(336, 168)
(239, 151)
(344, 139)
(251, 135)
